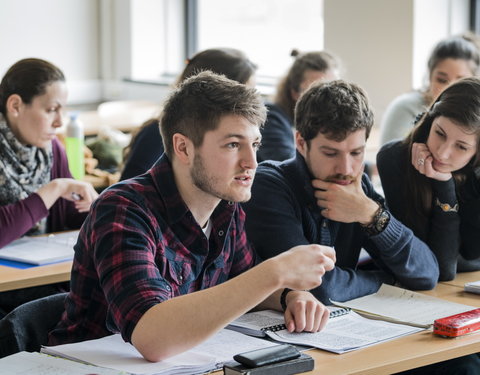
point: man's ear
(14, 104)
(182, 148)
(301, 144)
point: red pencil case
(458, 324)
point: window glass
(157, 38)
(265, 30)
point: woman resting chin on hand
(429, 178)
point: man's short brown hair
(198, 104)
(335, 109)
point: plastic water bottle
(74, 143)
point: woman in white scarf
(34, 175)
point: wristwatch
(283, 298)
(379, 222)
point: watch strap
(283, 298)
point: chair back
(26, 327)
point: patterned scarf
(23, 169)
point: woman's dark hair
(320, 61)
(460, 103)
(28, 78)
(230, 62)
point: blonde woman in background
(451, 59)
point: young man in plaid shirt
(163, 258)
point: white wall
(375, 40)
(64, 32)
(385, 43)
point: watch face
(382, 221)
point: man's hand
(304, 312)
(344, 203)
(422, 160)
(303, 266)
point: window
(266, 30)
(157, 39)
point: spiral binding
(274, 328)
(333, 314)
(339, 312)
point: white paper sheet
(41, 250)
(112, 352)
(402, 305)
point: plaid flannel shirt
(140, 246)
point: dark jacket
(448, 234)
(277, 136)
(283, 213)
(145, 150)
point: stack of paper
(112, 352)
(404, 306)
(42, 249)
(473, 287)
(37, 363)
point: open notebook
(41, 250)
(345, 331)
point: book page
(42, 249)
(346, 333)
(402, 305)
(24, 363)
(257, 320)
(112, 352)
(226, 343)
(254, 323)
(472, 287)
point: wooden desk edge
(12, 278)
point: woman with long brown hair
(431, 179)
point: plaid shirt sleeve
(124, 247)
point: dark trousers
(467, 365)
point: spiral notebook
(258, 323)
(346, 330)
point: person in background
(37, 192)
(431, 178)
(146, 145)
(323, 197)
(452, 59)
(278, 132)
(163, 257)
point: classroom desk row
(401, 354)
(14, 278)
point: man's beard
(207, 183)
